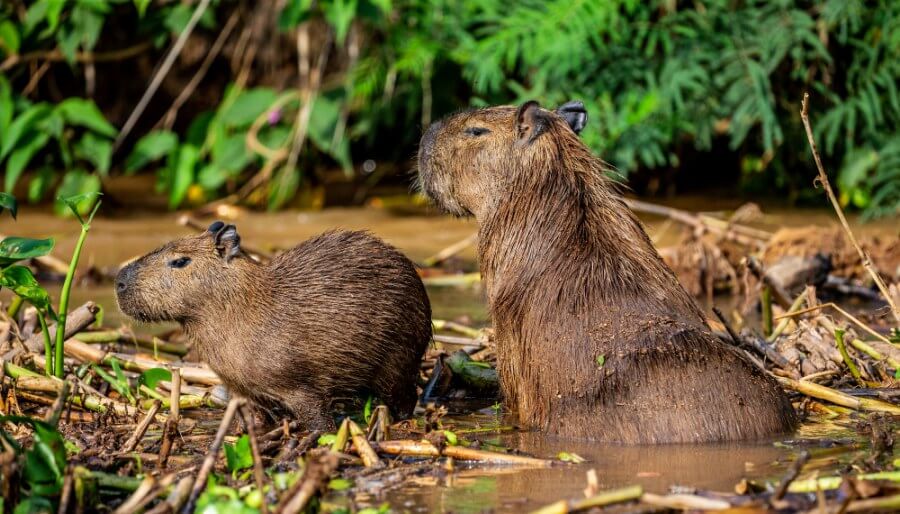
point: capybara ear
(531, 122)
(228, 242)
(215, 227)
(574, 113)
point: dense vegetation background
(257, 100)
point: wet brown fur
(340, 315)
(573, 281)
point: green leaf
(339, 484)
(7, 107)
(40, 184)
(601, 360)
(141, 6)
(248, 106)
(283, 187)
(340, 14)
(79, 189)
(570, 457)
(153, 146)
(22, 124)
(154, 376)
(238, 456)
(230, 153)
(294, 13)
(452, 440)
(8, 201)
(21, 281)
(21, 156)
(211, 177)
(182, 173)
(9, 37)
(326, 439)
(96, 150)
(45, 461)
(14, 249)
(84, 113)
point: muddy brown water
(116, 239)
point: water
(114, 240)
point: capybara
(339, 315)
(595, 337)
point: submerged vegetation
(256, 101)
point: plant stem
(766, 301)
(64, 300)
(842, 348)
(14, 306)
(48, 345)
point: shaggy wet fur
(596, 339)
(341, 315)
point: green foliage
(238, 455)
(43, 464)
(154, 376)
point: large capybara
(341, 314)
(595, 337)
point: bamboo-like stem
(130, 505)
(875, 354)
(622, 495)
(48, 345)
(765, 298)
(845, 400)
(689, 502)
(426, 449)
(343, 434)
(823, 179)
(64, 299)
(171, 426)
(452, 326)
(829, 483)
(784, 321)
(363, 448)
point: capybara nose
(123, 279)
(120, 287)
(428, 139)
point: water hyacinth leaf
(8, 202)
(238, 455)
(152, 377)
(248, 106)
(84, 113)
(14, 249)
(153, 146)
(45, 461)
(21, 281)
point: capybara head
(464, 157)
(173, 282)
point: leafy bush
(661, 80)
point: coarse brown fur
(339, 315)
(595, 337)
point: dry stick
(684, 502)
(210, 460)
(752, 343)
(791, 475)
(821, 392)
(823, 179)
(622, 495)
(87, 353)
(695, 221)
(161, 73)
(844, 313)
(175, 499)
(874, 353)
(76, 321)
(66, 493)
(426, 449)
(168, 118)
(784, 322)
(258, 473)
(779, 294)
(450, 251)
(55, 411)
(82, 57)
(319, 466)
(171, 427)
(141, 429)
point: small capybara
(596, 339)
(339, 315)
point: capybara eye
(179, 262)
(477, 131)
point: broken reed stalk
(823, 179)
(320, 464)
(176, 498)
(210, 460)
(603, 499)
(171, 427)
(363, 448)
(340, 439)
(874, 353)
(785, 320)
(408, 447)
(258, 473)
(684, 502)
(450, 251)
(52, 416)
(141, 429)
(752, 342)
(765, 299)
(841, 311)
(459, 328)
(829, 483)
(821, 392)
(791, 475)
